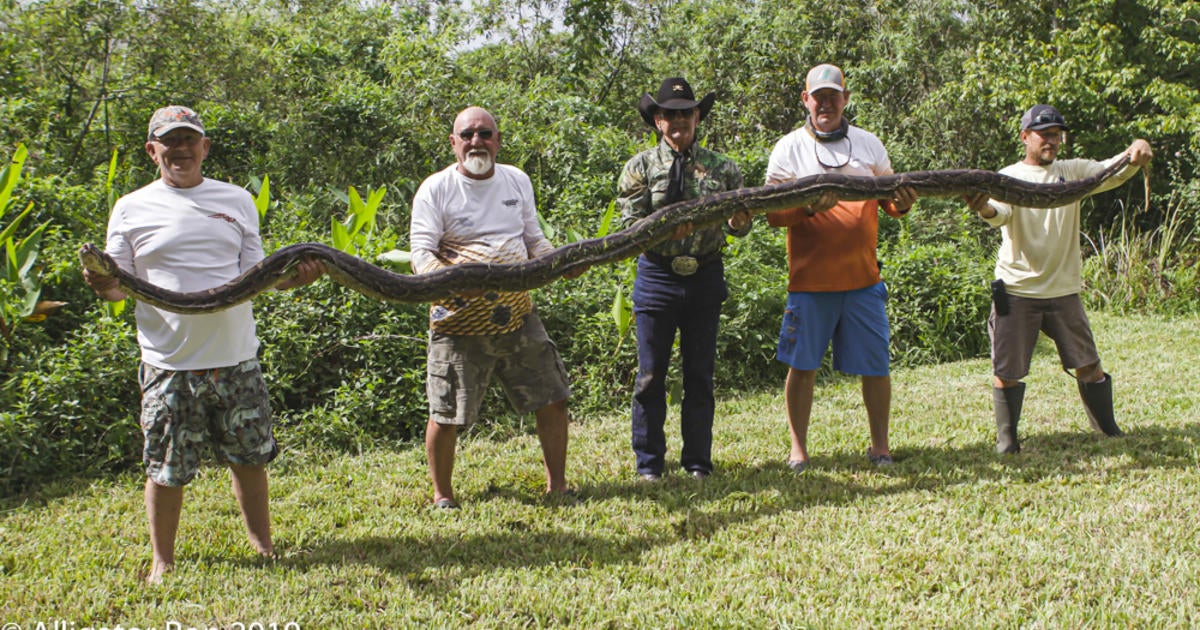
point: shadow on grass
(738, 494)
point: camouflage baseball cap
(172, 117)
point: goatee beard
(478, 163)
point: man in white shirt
(1038, 277)
(477, 210)
(202, 387)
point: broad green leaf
(12, 227)
(10, 175)
(29, 303)
(341, 196)
(371, 209)
(26, 253)
(397, 258)
(114, 309)
(622, 312)
(606, 222)
(354, 222)
(263, 199)
(12, 266)
(341, 236)
(547, 229)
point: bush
(326, 349)
(756, 270)
(938, 301)
(73, 410)
(1140, 265)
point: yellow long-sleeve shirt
(1039, 254)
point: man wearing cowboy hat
(835, 291)
(681, 282)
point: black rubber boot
(1008, 401)
(1098, 400)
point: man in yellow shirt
(1038, 277)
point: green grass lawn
(1077, 531)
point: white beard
(478, 163)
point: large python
(361, 276)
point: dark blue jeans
(664, 302)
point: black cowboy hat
(675, 93)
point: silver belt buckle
(685, 265)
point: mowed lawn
(1077, 531)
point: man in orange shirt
(835, 292)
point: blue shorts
(855, 321)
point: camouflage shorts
(460, 367)
(187, 415)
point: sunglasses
(484, 134)
(1048, 117)
(676, 113)
(836, 163)
(176, 139)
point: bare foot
(158, 571)
(566, 495)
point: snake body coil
(382, 284)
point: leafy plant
(73, 410)
(622, 303)
(20, 287)
(353, 233)
(1132, 268)
(262, 199)
(938, 302)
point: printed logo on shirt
(511, 202)
(222, 216)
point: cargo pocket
(442, 384)
(788, 331)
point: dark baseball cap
(1043, 117)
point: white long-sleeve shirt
(189, 239)
(457, 219)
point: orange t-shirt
(832, 250)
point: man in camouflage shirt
(681, 282)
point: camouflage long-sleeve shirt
(642, 189)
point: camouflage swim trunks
(186, 413)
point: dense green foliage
(324, 95)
